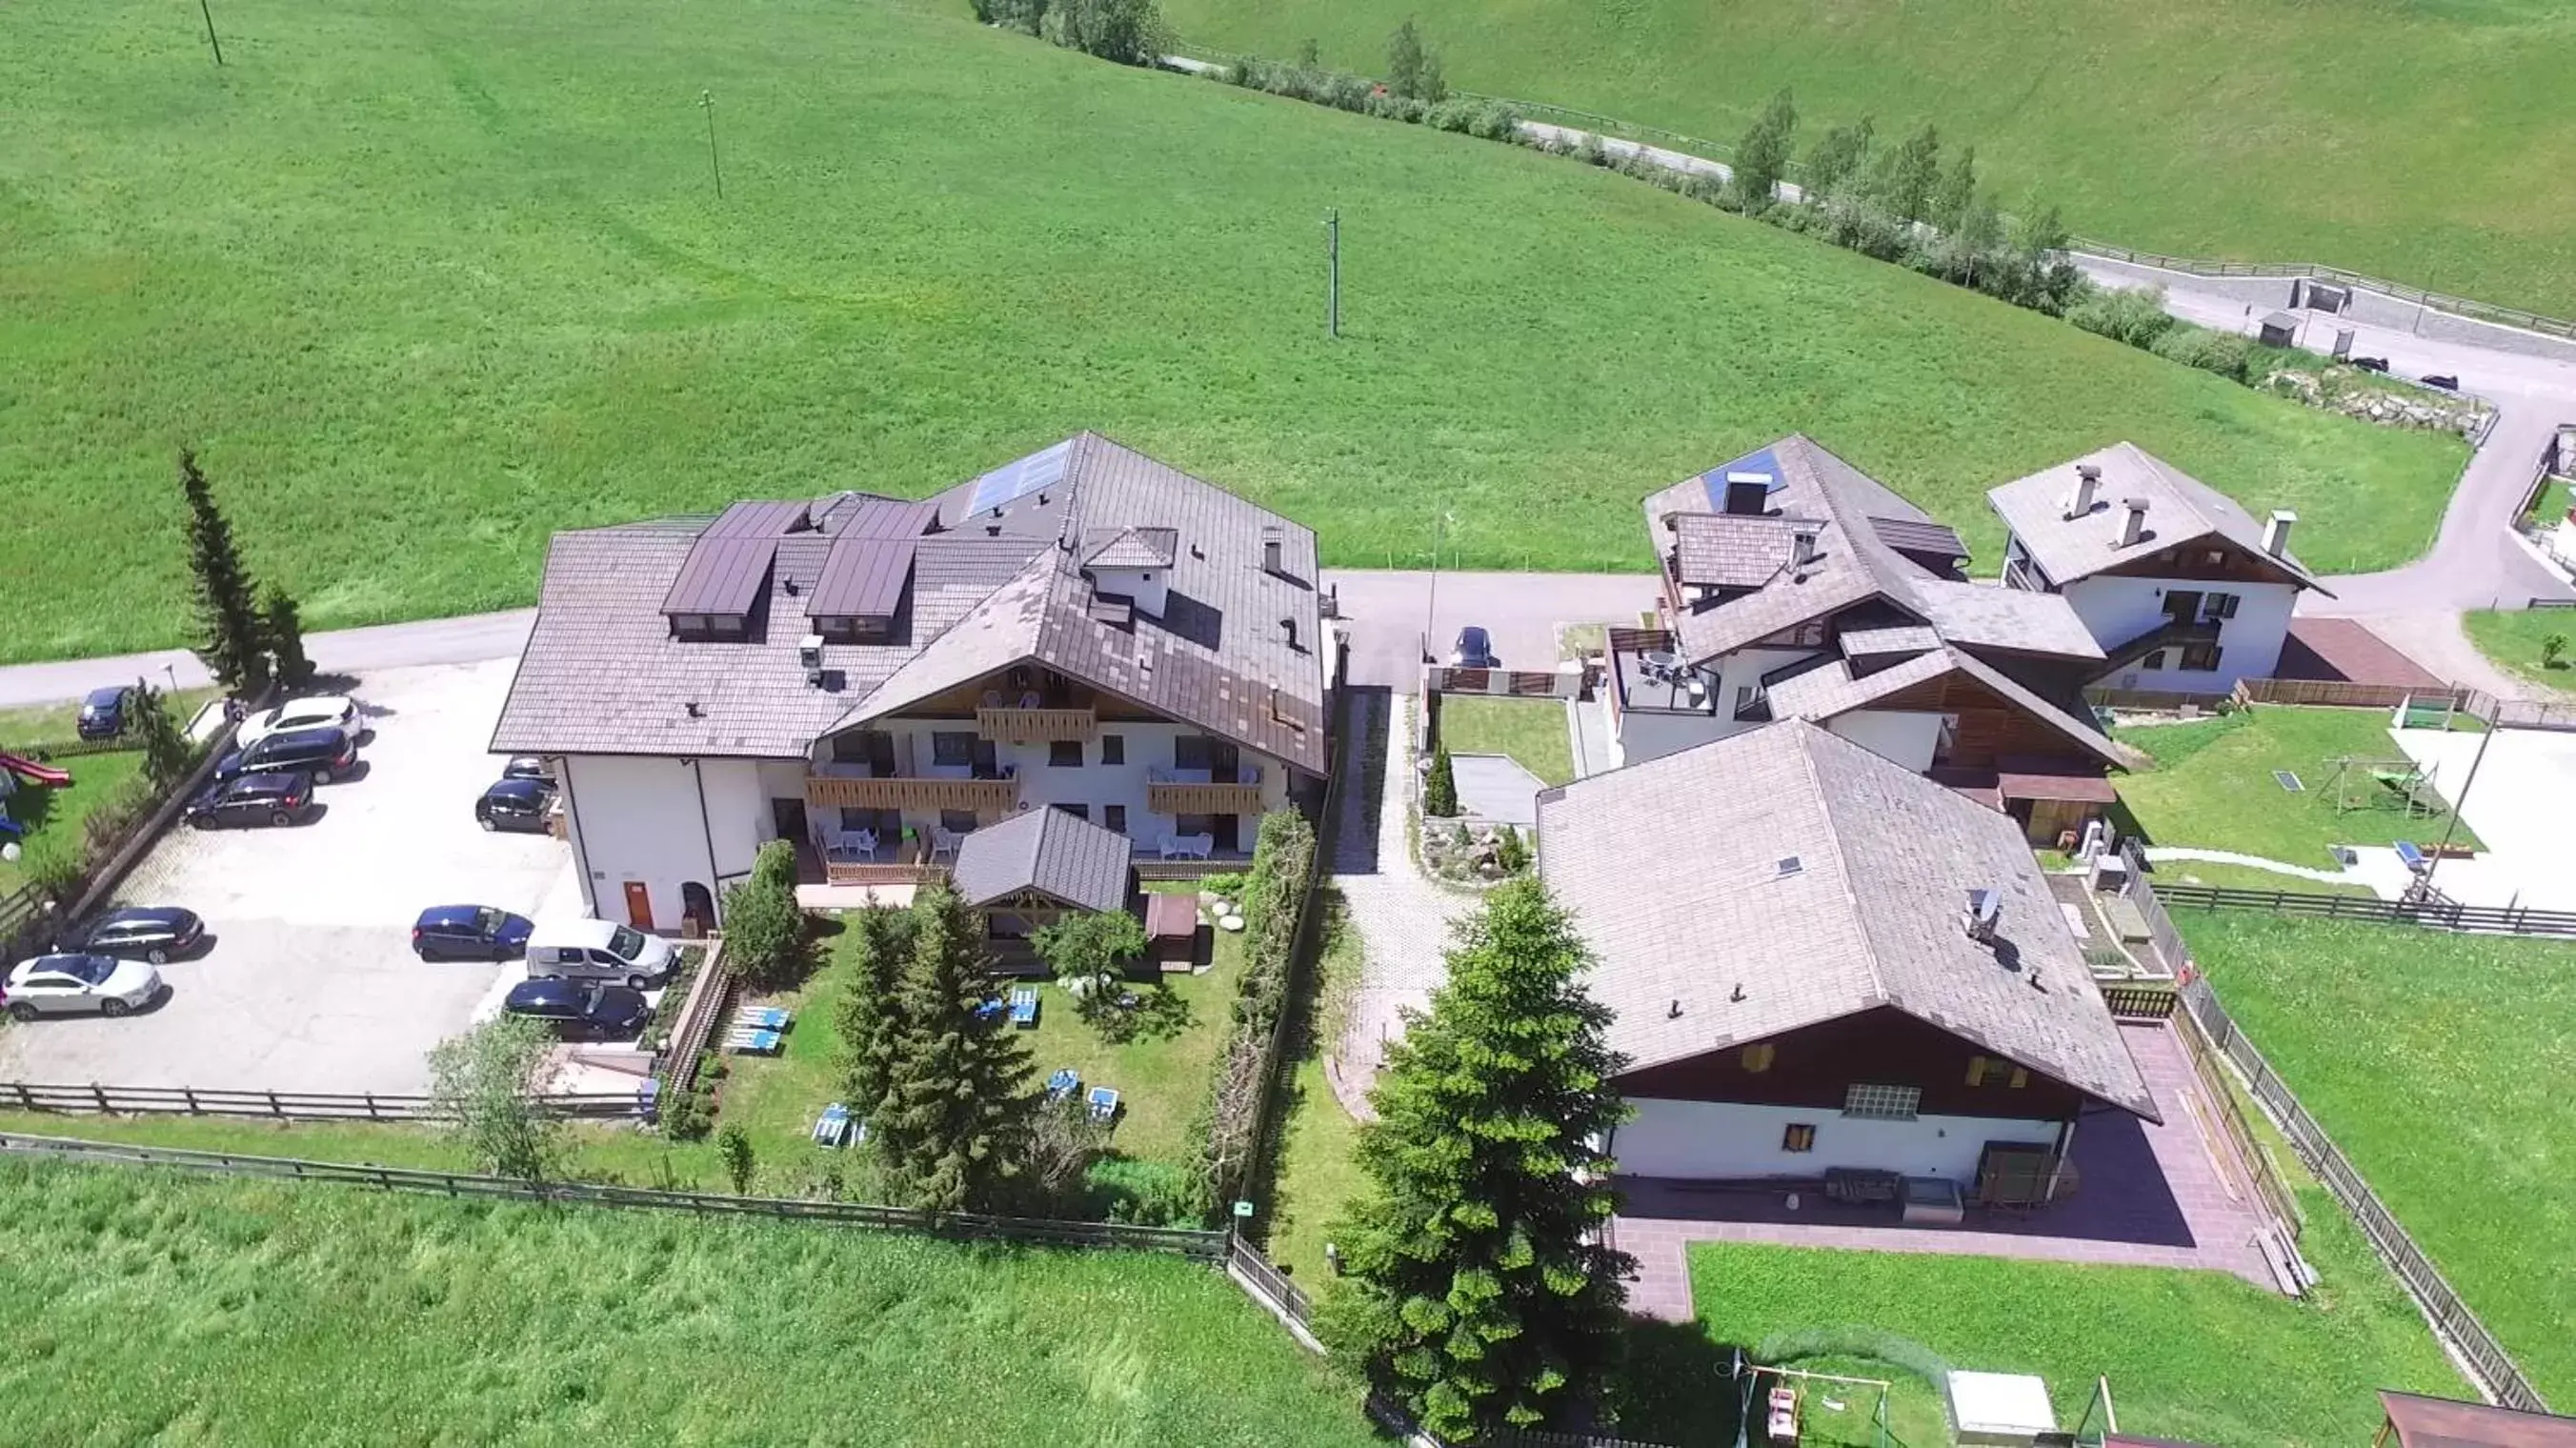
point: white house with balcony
(2181, 588)
(874, 679)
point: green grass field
(2225, 875)
(45, 813)
(2512, 642)
(1531, 731)
(2196, 1356)
(2423, 140)
(425, 282)
(2435, 1061)
(2213, 785)
(1317, 1173)
(150, 1308)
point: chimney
(1273, 550)
(1288, 626)
(2088, 483)
(1748, 494)
(2276, 534)
(809, 651)
(1985, 910)
(2133, 527)
(1802, 548)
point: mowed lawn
(2423, 142)
(2439, 1064)
(2515, 641)
(426, 281)
(1531, 731)
(2214, 786)
(2201, 1357)
(169, 1309)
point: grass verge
(2213, 786)
(1530, 731)
(2513, 641)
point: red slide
(33, 772)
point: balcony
(1203, 791)
(1053, 716)
(855, 786)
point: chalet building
(1795, 586)
(1819, 960)
(2180, 588)
(877, 680)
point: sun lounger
(1063, 1084)
(832, 1128)
(754, 1043)
(761, 1018)
(1024, 1006)
(1103, 1102)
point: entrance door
(2182, 605)
(639, 905)
(787, 816)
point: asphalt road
(468, 640)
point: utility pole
(1431, 602)
(2457, 802)
(1333, 272)
(715, 163)
(212, 38)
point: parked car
(598, 950)
(2371, 364)
(102, 714)
(469, 932)
(2442, 380)
(321, 711)
(79, 983)
(143, 932)
(324, 753)
(580, 1011)
(528, 766)
(515, 804)
(253, 799)
(1475, 650)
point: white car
(335, 710)
(55, 985)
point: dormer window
(726, 625)
(856, 629)
(703, 627)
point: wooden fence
(2132, 1002)
(2165, 940)
(1510, 683)
(2276, 1193)
(2429, 914)
(291, 1105)
(1204, 1246)
(2437, 301)
(709, 990)
(2485, 1357)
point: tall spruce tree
(1762, 156)
(166, 751)
(958, 1093)
(282, 628)
(229, 627)
(1479, 1284)
(869, 1030)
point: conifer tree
(166, 753)
(1480, 1288)
(1440, 789)
(282, 628)
(228, 623)
(957, 1090)
(865, 1020)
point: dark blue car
(102, 714)
(516, 804)
(469, 932)
(325, 753)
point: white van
(598, 950)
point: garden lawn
(2179, 127)
(50, 817)
(1531, 731)
(1164, 1082)
(2226, 876)
(1317, 1172)
(2212, 786)
(2198, 1356)
(426, 280)
(266, 1312)
(2512, 641)
(2439, 1064)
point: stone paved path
(1402, 918)
(2152, 1195)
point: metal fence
(1203, 1246)
(2427, 914)
(292, 1105)
(2418, 296)
(2162, 937)
(2478, 1349)
(2268, 1185)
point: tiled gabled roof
(1049, 851)
(2181, 509)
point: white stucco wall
(639, 820)
(1151, 588)
(2116, 610)
(1905, 739)
(1708, 1140)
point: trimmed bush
(2224, 353)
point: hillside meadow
(425, 282)
(2424, 140)
(154, 1307)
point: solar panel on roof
(1761, 465)
(1011, 482)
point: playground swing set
(16, 772)
(2361, 782)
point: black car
(102, 714)
(323, 753)
(579, 1010)
(143, 932)
(1475, 650)
(515, 804)
(2371, 364)
(469, 932)
(2442, 380)
(253, 799)
(528, 766)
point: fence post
(371, 1106)
(191, 1093)
(26, 1101)
(275, 1108)
(100, 1092)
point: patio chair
(754, 1043)
(1032, 700)
(944, 843)
(1024, 1006)
(863, 843)
(1103, 1102)
(761, 1018)
(1063, 1084)
(992, 699)
(1197, 847)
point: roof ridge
(1818, 789)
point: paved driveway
(1391, 612)
(2520, 804)
(310, 984)
(1495, 787)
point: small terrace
(1179, 791)
(1647, 669)
(1058, 712)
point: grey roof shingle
(1730, 551)
(1131, 548)
(1673, 871)
(1047, 850)
(2180, 509)
(602, 674)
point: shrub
(689, 1115)
(479, 1085)
(733, 1146)
(2224, 353)
(1440, 788)
(1130, 32)
(2552, 649)
(1147, 1193)
(2135, 315)
(765, 938)
(1511, 851)
(53, 865)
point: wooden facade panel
(1815, 1066)
(988, 798)
(1197, 799)
(1036, 726)
(1991, 728)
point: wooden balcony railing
(988, 798)
(1196, 791)
(1005, 724)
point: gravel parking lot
(309, 983)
